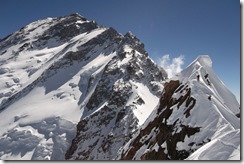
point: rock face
(110, 115)
(159, 132)
(76, 89)
(71, 89)
(187, 123)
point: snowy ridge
(57, 73)
(202, 66)
(39, 103)
(73, 90)
(121, 102)
(221, 148)
(188, 124)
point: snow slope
(202, 66)
(73, 90)
(40, 91)
(225, 147)
(187, 124)
(51, 72)
(123, 98)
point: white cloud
(172, 66)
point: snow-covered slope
(71, 89)
(66, 77)
(188, 123)
(125, 96)
(203, 66)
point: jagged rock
(90, 75)
(115, 89)
(130, 39)
(186, 124)
(77, 90)
(163, 132)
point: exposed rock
(158, 133)
(107, 109)
(135, 42)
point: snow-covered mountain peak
(77, 15)
(131, 39)
(50, 29)
(196, 110)
(200, 66)
(72, 89)
(57, 73)
(200, 73)
(75, 18)
(204, 60)
(130, 34)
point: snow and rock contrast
(67, 78)
(196, 119)
(71, 89)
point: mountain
(197, 118)
(72, 89)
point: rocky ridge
(74, 90)
(97, 84)
(188, 119)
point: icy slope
(27, 53)
(225, 147)
(58, 72)
(39, 86)
(187, 122)
(203, 66)
(123, 99)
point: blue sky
(175, 27)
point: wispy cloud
(172, 66)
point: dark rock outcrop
(107, 111)
(159, 137)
